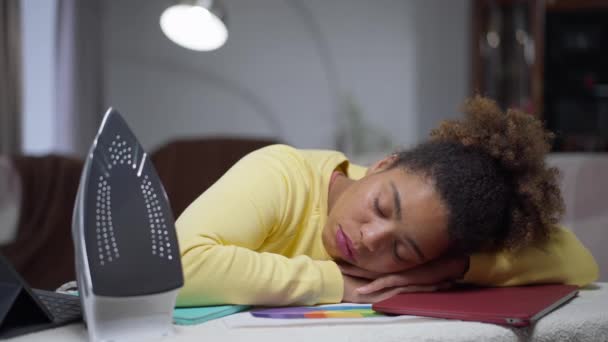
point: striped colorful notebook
(336, 311)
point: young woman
(476, 201)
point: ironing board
(585, 318)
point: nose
(375, 236)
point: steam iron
(127, 258)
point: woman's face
(388, 221)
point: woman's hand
(352, 295)
(439, 273)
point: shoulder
(289, 158)
(275, 153)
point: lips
(345, 245)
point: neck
(336, 188)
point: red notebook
(517, 306)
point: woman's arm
(220, 232)
(562, 259)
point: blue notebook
(197, 315)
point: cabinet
(549, 58)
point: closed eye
(378, 209)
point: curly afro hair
(489, 169)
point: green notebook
(196, 315)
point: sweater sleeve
(221, 230)
(562, 259)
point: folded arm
(562, 259)
(221, 234)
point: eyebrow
(397, 201)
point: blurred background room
(360, 76)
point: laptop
(24, 310)
(515, 306)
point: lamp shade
(195, 25)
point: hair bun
(516, 139)
(519, 142)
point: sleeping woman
(474, 203)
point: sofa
(37, 196)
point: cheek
(385, 267)
(354, 210)
(384, 264)
(434, 242)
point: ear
(382, 164)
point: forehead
(415, 191)
(414, 184)
(424, 215)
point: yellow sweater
(254, 237)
